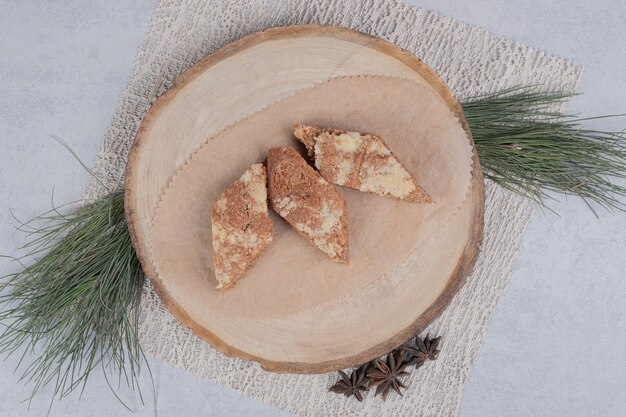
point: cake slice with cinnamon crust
(361, 161)
(241, 226)
(308, 202)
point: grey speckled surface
(556, 342)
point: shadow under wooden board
(296, 311)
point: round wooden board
(287, 60)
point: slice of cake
(361, 161)
(308, 202)
(241, 227)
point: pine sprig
(526, 146)
(75, 308)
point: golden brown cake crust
(241, 227)
(306, 135)
(361, 161)
(308, 202)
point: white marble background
(556, 344)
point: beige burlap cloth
(469, 59)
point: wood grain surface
(238, 80)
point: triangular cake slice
(361, 161)
(308, 202)
(241, 226)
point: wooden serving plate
(296, 311)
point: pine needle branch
(76, 307)
(527, 147)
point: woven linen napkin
(471, 60)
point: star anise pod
(422, 351)
(386, 376)
(353, 384)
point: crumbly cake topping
(241, 226)
(361, 161)
(307, 134)
(308, 202)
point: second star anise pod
(422, 351)
(354, 384)
(386, 376)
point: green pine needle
(528, 148)
(75, 308)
